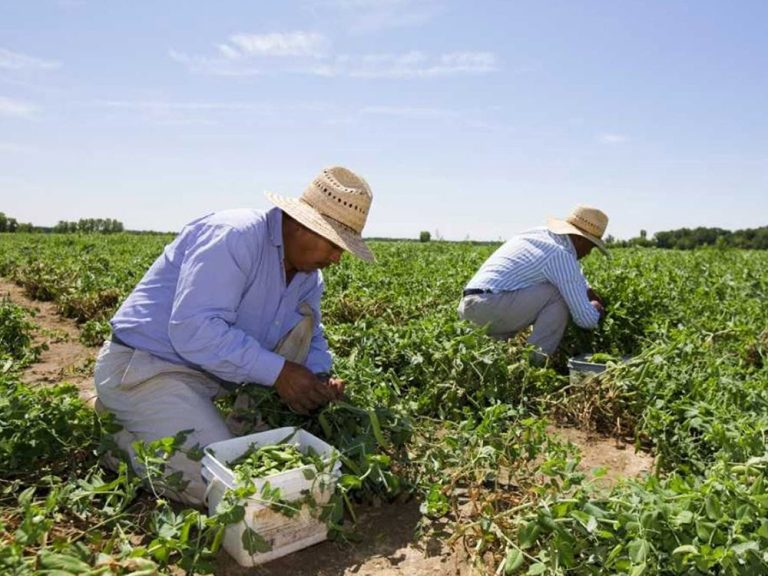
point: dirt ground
(388, 544)
(66, 359)
(619, 459)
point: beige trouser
(152, 398)
(507, 313)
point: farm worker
(535, 279)
(233, 300)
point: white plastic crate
(283, 534)
(580, 368)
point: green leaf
(589, 522)
(71, 564)
(254, 543)
(195, 453)
(513, 561)
(714, 510)
(638, 550)
(684, 517)
(528, 534)
(686, 549)
(436, 503)
(350, 481)
(536, 569)
(744, 547)
(600, 472)
(309, 473)
(594, 510)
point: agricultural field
(437, 413)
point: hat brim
(327, 227)
(562, 227)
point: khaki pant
(507, 313)
(152, 398)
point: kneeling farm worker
(535, 279)
(233, 301)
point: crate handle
(213, 481)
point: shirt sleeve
(211, 283)
(319, 358)
(563, 270)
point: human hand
(300, 389)
(592, 295)
(597, 305)
(337, 387)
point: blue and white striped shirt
(535, 257)
(216, 300)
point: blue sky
(469, 119)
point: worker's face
(582, 245)
(307, 251)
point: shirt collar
(565, 241)
(275, 225)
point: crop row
(464, 417)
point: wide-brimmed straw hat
(334, 205)
(584, 221)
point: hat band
(585, 226)
(335, 204)
(325, 216)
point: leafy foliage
(438, 409)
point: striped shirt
(535, 257)
(216, 300)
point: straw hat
(335, 205)
(585, 221)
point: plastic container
(282, 533)
(580, 368)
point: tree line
(82, 226)
(689, 238)
(680, 239)
(89, 226)
(8, 224)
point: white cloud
(275, 44)
(612, 138)
(214, 66)
(250, 54)
(15, 61)
(409, 65)
(309, 53)
(16, 109)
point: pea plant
(434, 410)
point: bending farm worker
(233, 301)
(535, 279)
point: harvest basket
(581, 367)
(307, 487)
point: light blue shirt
(535, 257)
(216, 300)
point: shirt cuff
(268, 368)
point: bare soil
(388, 543)
(66, 359)
(618, 458)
